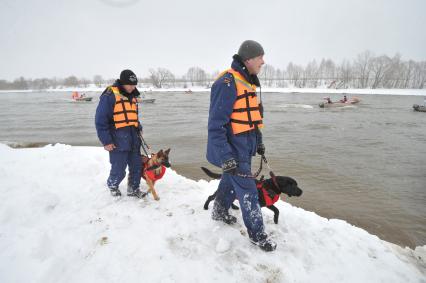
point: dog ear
(167, 151)
(160, 153)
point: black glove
(230, 166)
(261, 149)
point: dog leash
(271, 173)
(254, 176)
(144, 145)
(251, 176)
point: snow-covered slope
(58, 223)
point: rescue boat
(77, 97)
(88, 98)
(419, 108)
(145, 100)
(327, 104)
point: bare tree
(345, 74)
(310, 75)
(327, 72)
(362, 66)
(294, 74)
(394, 73)
(20, 83)
(84, 82)
(280, 76)
(98, 80)
(196, 75)
(54, 82)
(328, 68)
(160, 76)
(379, 67)
(4, 84)
(43, 83)
(267, 74)
(71, 81)
(419, 76)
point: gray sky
(47, 38)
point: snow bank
(58, 223)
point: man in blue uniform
(235, 119)
(118, 129)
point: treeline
(365, 71)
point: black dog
(268, 192)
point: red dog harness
(269, 198)
(150, 172)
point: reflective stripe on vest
(246, 113)
(125, 112)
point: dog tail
(211, 174)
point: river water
(365, 164)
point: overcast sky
(47, 38)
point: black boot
(265, 243)
(220, 214)
(136, 193)
(227, 218)
(115, 192)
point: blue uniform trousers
(119, 161)
(231, 187)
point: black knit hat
(127, 77)
(250, 49)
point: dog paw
(157, 198)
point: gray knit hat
(250, 49)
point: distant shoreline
(351, 91)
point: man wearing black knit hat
(118, 128)
(235, 120)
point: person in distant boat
(234, 136)
(118, 129)
(329, 100)
(75, 95)
(344, 100)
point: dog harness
(269, 196)
(125, 110)
(246, 114)
(150, 171)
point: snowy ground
(58, 223)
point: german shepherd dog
(284, 185)
(154, 169)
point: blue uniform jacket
(126, 138)
(222, 144)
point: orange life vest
(246, 114)
(125, 111)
